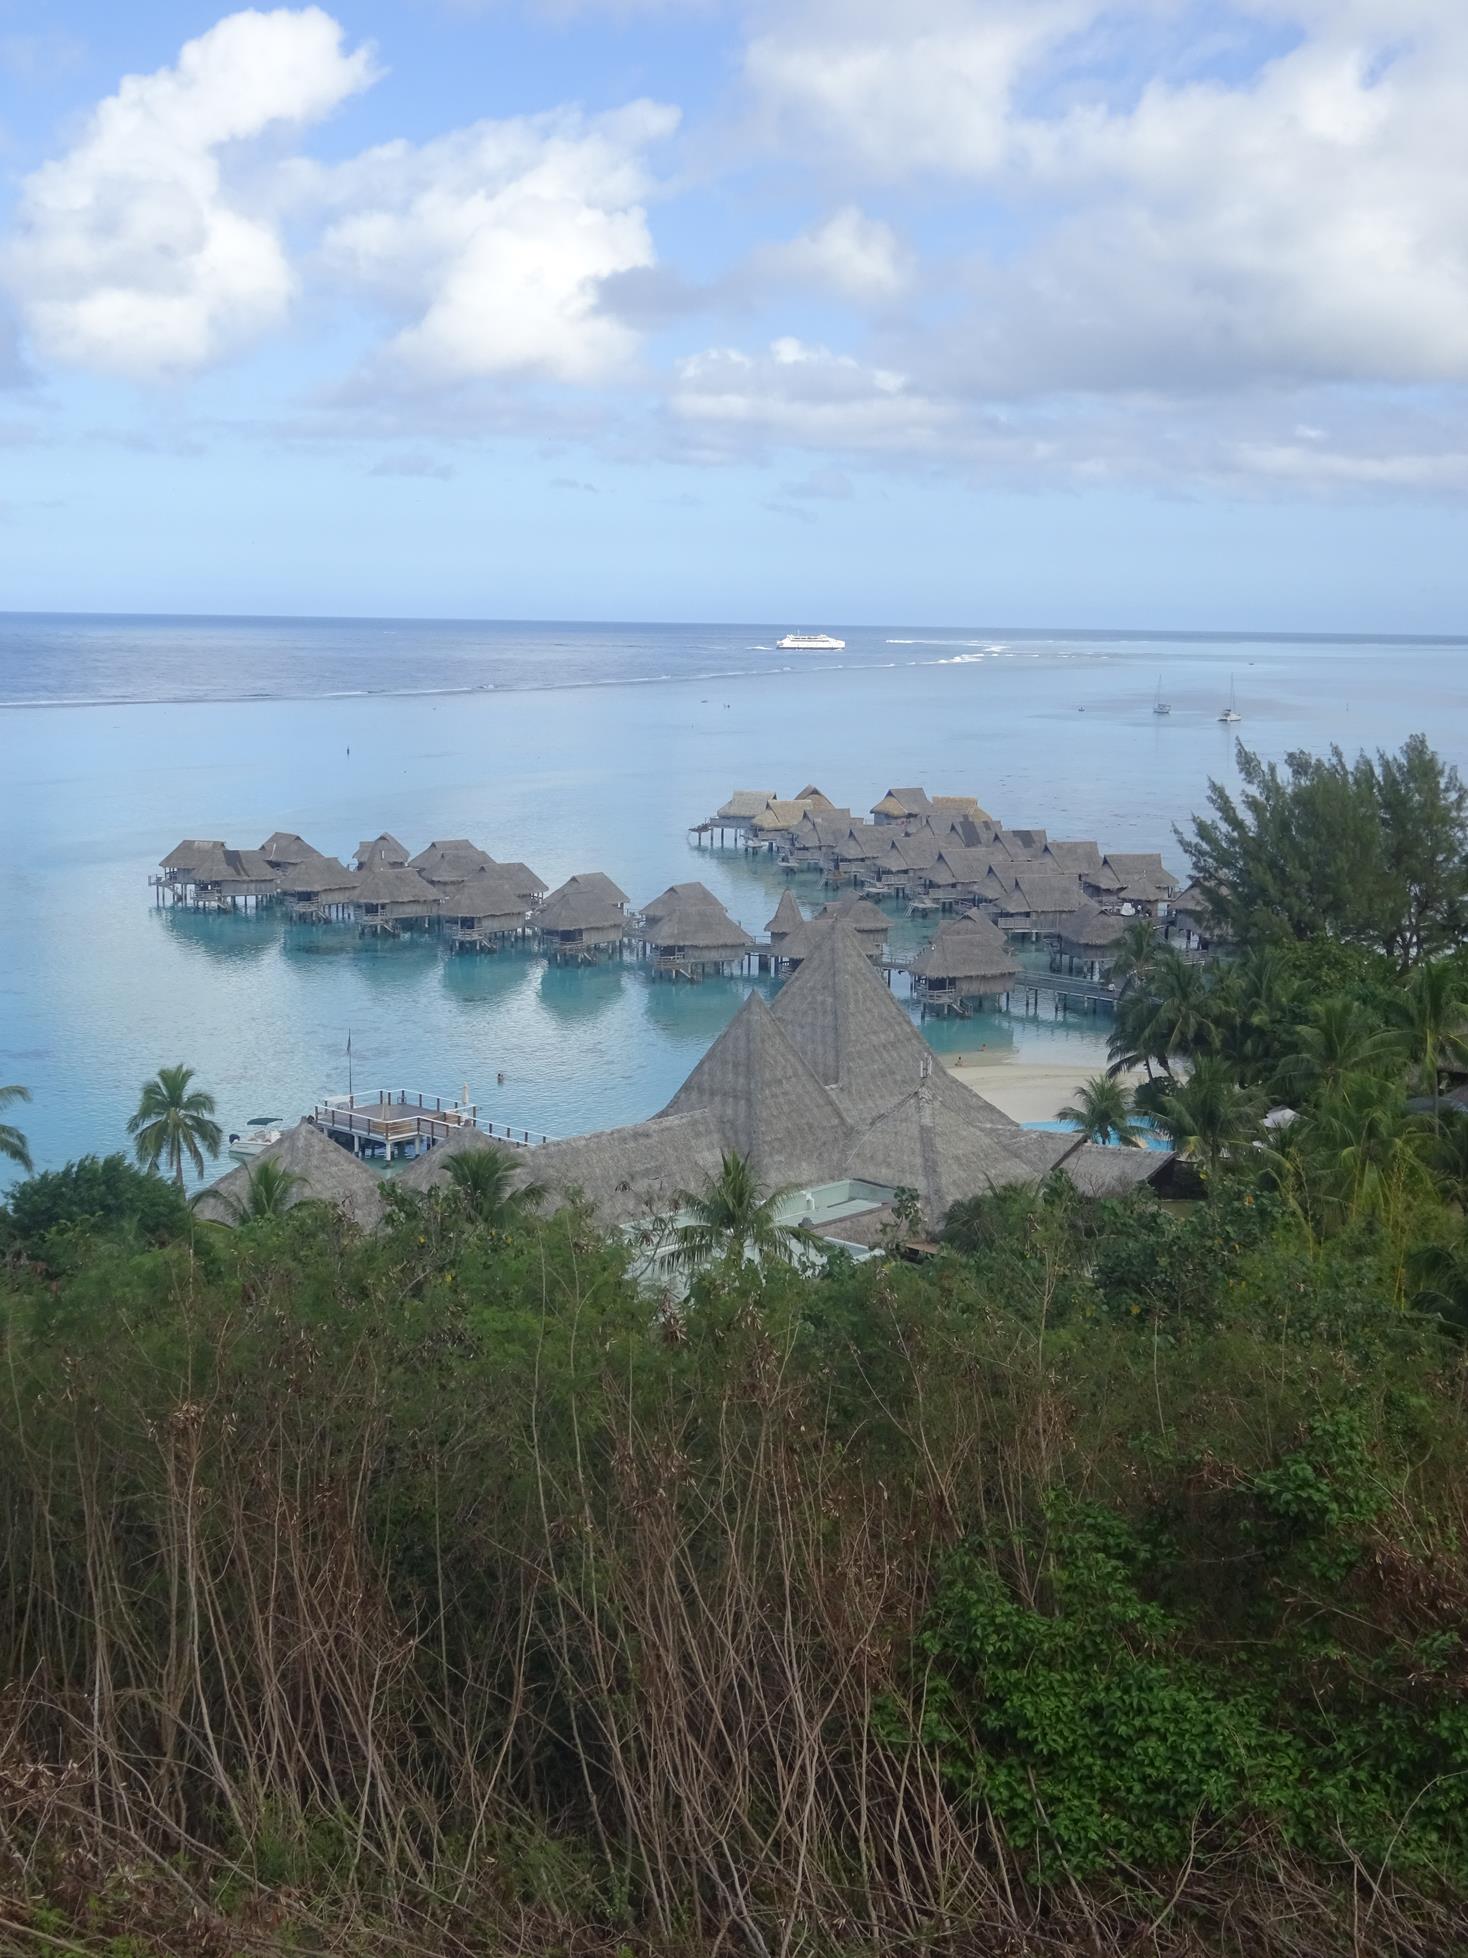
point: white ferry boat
(810, 642)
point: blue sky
(1005, 311)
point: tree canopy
(1371, 852)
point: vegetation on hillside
(1096, 1586)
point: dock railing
(392, 1116)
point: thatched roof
(819, 830)
(959, 805)
(1089, 929)
(598, 882)
(675, 895)
(581, 906)
(744, 804)
(485, 894)
(914, 851)
(899, 804)
(527, 884)
(1023, 844)
(764, 1100)
(320, 877)
(451, 860)
(788, 917)
(328, 1173)
(285, 850)
(816, 797)
(183, 856)
(428, 1172)
(395, 884)
(971, 950)
(384, 849)
(863, 917)
(1113, 1172)
(697, 925)
(236, 867)
(632, 1172)
(1140, 874)
(853, 1035)
(929, 1143)
(1191, 903)
(972, 867)
(777, 817)
(861, 843)
(1040, 893)
(1077, 856)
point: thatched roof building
(788, 918)
(178, 866)
(968, 958)
(1025, 845)
(228, 873)
(1090, 933)
(950, 807)
(320, 881)
(1041, 898)
(381, 850)
(582, 918)
(778, 818)
(903, 806)
(690, 931)
(743, 806)
(817, 798)
(287, 851)
(485, 902)
(675, 895)
(450, 860)
(390, 894)
(1077, 858)
(327, 1173)
(527, 884)
(1133, 877)
(870, 925)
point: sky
(1025, 312)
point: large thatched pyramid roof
(764, 1099)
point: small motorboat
(264, 1130)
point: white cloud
(490, 244)
(852, 254)
(132, 253)
(797, 394)
(924, 86)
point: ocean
(572, 747)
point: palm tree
(13, 1147)
(1432, 1012)
(483, 1180)
(1208, 1116)
(733, 1217)
(1136, 952)
(1339, 1044)
(174, 1122)
(1102, 1112)
(269, 1192)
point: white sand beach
(1028, 1091)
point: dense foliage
(1098, 1585)
(1372, 852)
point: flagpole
(349, 1064)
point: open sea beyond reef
(572, 747)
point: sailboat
(1159, 705)
(1230, 713)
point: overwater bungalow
(689, 933)
(318, 889)
(1079, 857)
(390, 896)
(958, 808)
(788, 918)
(381, 851)
(969, 959)
(905, 807)
(527, 884)
(450, 860)
(1086, 940)
(482, 910)
(1024, 845)
(220, 876)
(814, 841)
(903, 865)
(1135, 877)
(176, 870)
(583, 920)
(777, 820)
(286, 851)
(1041, 898)
(734, 816)
(870, 925)
(817, 798)
(1190, 917)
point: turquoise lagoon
(573, 748)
